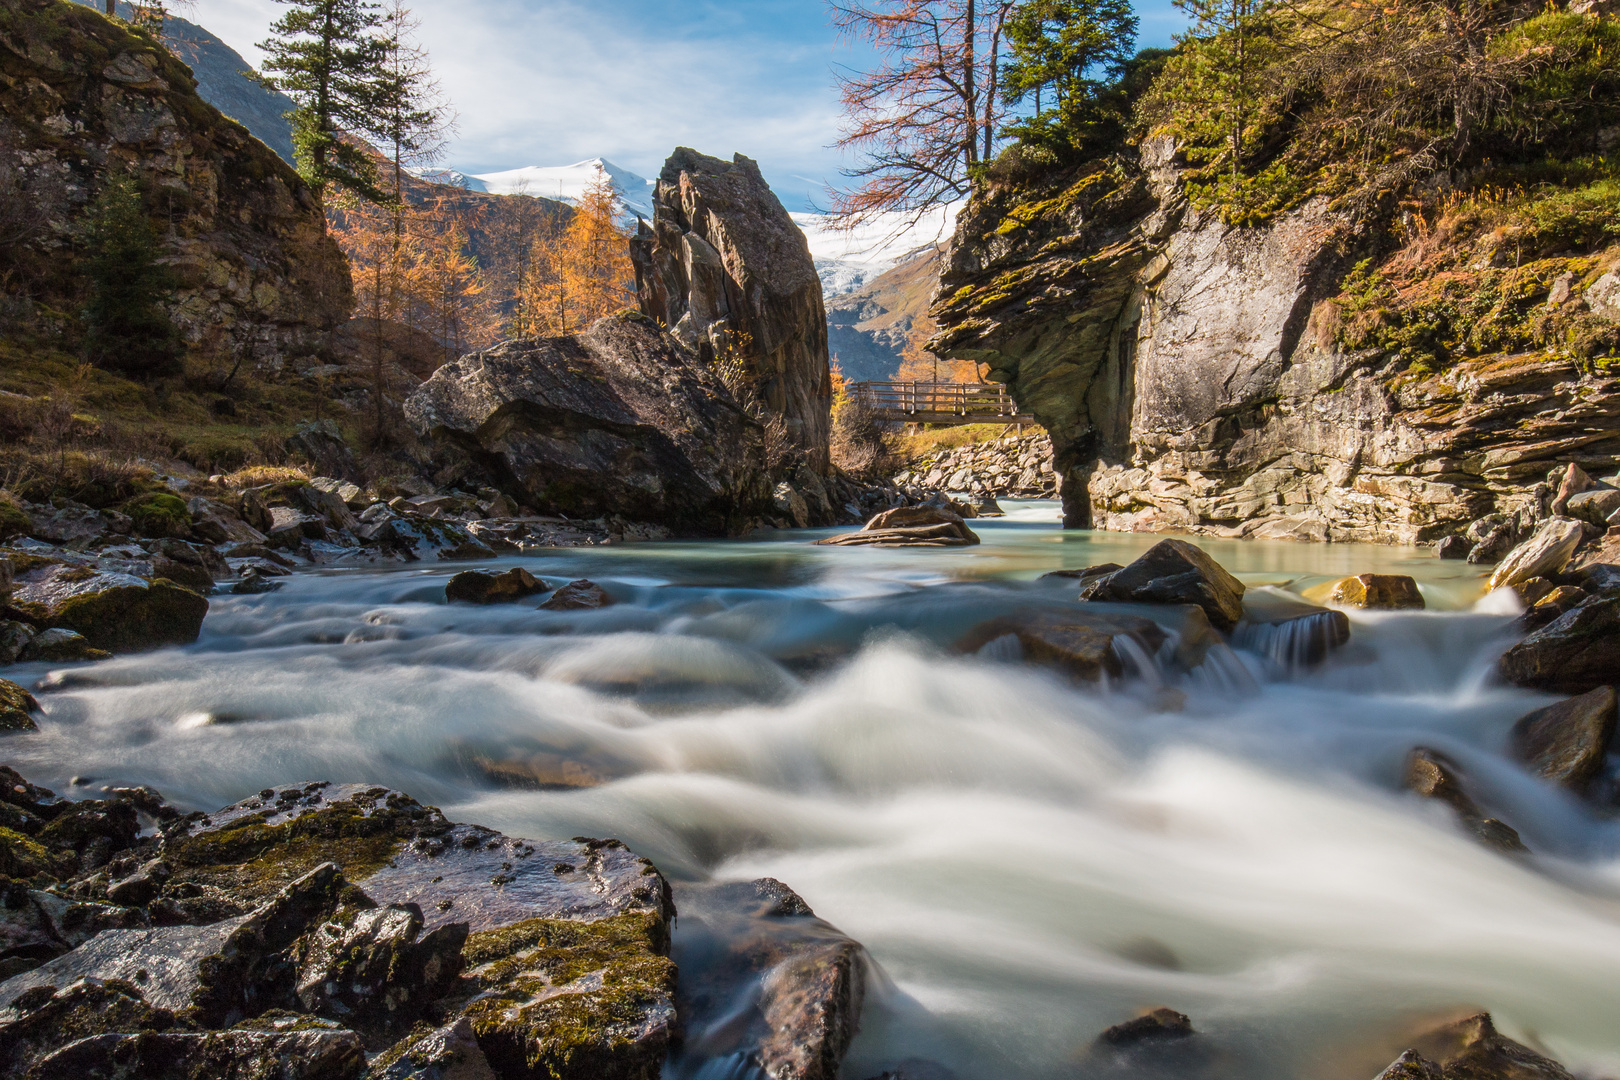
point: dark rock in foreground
(482, 587)
(1472, 1049)
(1575, 653)
(1566, 743)
(1175, 572)
(618, 420)
(112, 611)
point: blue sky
(549, 82)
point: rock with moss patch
(1472, 1049)
(309, 1054)
(14, 638)
(158, 514)
(17, 707)
(447, 1053)
(117, 612)
(60, 645)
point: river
(1027, 861)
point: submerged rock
(482, 587)
(1159, 1024)
(1566, 743)
(1376, 591)
(1434, 776)
(1080, 643)
(910, 526)
(1573, 654)
(17, 707)
(581, 595)
(1176, 572)
(1290, 632)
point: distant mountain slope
(223, 83)
(847, 261)
(867, 329)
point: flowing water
(1028, 861)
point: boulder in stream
(1573, 654)
(17, 708)
(1376, 591)
(1079, 643)
(482, 587)
(909, 526)
(620, 419)
(1566, 743)
(1175, 572)
(1432, 775)
(117, 612)
(1288, 630)
(1472, 1049)
(1543, 555)
(581, 595)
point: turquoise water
(1027, 860)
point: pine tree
(1066, 55)
(328, 57)
(127, 327)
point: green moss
(132, 618)
(253, 860)
(575, 1033)
(13, 522)
(22, 857)
(16, 705)
(159, 514)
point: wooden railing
(940, 403)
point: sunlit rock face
(1190, 374)
(726, 270)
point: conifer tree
(328, 57)
(127, 327)
(1065, 54)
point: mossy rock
(16, 705)
(22, 857)
(614, 1022)
(13, 522)
(159, 514)
(134, 618)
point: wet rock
(254, 583)
(37, 1023)
(1290, 632)
(216, 523)
(1435, 776)
(481, 587)
(447, 1053)
(14, 638)
(1160, 1024)
(1472, 1049)
(367, 968)
(723, 266)
(783, 990)
(1566, 743)
(1377, 591)
(1543, 555)
(141, 887)
(1176, 572)
(311, 1054)
(61, 646)
(1452, 547)
(115, 612)
(1079, 643)
(1550, 606)
(581, 595)
(617, 420)
(1573, 654)
(1085, 575)
(910, 526)
(1412, 1065)
(17, 708)
(94, 829)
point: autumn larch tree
(581, 271)
(929, 113)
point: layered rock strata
(724, 268)
(1190, 376)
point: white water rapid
(1027, 861)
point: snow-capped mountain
(566, 183)
(847, 261)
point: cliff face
(726, 270)
(1193, 375)
(84, 97)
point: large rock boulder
(619, 420)
(1566, 742)
(113, 611)
(1544, 555)
(1175, 572)
(909, 526)
(725, 269)
(1472, 1049)
(1577, 652)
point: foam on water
(1028, 861)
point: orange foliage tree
(577, 272)
(917, 364)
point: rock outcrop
(1192, 376)
(724, 268)
(87, 97)
(620, 420)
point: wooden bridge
(940, 403)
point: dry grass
(934, 440)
